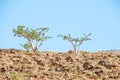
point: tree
(76, 42)
(34, 37)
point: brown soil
(23, 65)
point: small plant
(34, 37)
(76, 42)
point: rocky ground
(23, 65)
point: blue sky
(99, 17)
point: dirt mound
(23, 65)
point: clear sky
(99, 17)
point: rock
(87, 66)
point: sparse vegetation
(34, 37)
(76, 42)
(25, 65)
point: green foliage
(76, 42)
(34, 37)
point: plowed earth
(23, 65)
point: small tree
(34, 37)
(76, 42)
